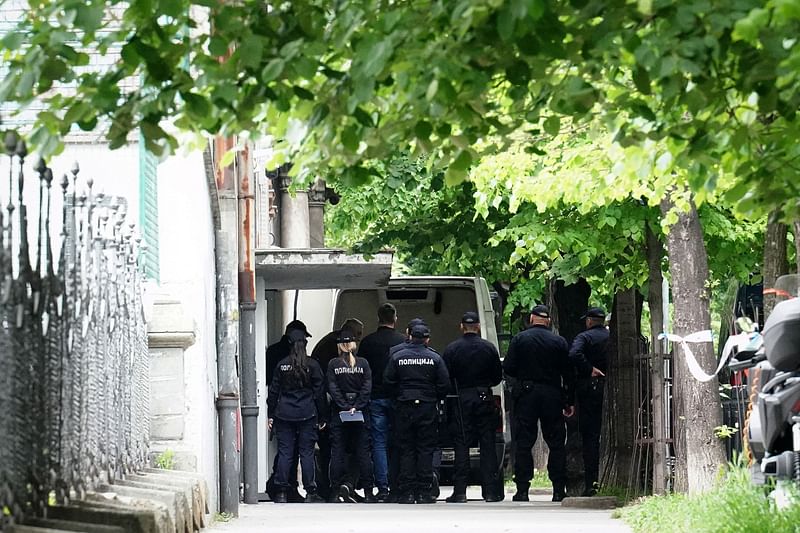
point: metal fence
(74, 372)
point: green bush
(734, 505)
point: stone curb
(176, 510)
(65, 525)
(594, 502)
(192, 490)
(131, 520)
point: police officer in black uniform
(474, 367)
(538, 361)
(589, 356)
(276, 352)
(418, 378)
(296, 410)
(350, 385)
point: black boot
(312, 496)
(456, 497)
(368, 496)
(280, 496)
(407, 498)
(522, 493)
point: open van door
(440, 301)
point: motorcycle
(772, 361)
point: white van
(440, 301)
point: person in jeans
(296, 410)
(375, 349)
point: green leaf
(217, 46)
(505, 24)
(423, 130)
(552, 125)
(462, 162)
(454, 176)
(250, 51)
(272, 70)
(13, 40)
(748, 28)
(363, 117)
(585, 258)
(303, 93)
(641, 79)
(351, 138)
(227, 158)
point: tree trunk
(688, 266)
(775, 261)
(571, 302)
(655, 255)
(797, 245)
(621, 405)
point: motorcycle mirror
(745, 324)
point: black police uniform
(275, 352)
(474, 367)
(589, 349)
(418, 378)
(538, 360)
(350, 388)
(296, 409)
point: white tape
(691, 361)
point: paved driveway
(539, 515)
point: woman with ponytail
(349, 385)
(296, 410)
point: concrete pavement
(540, 514)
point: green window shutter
(148, 210)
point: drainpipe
(247, 333)
(227, 329)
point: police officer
(474, 367)
(543, 394)
(324, 352)
(276, 352)
(350, 385)
(375, 349)
(296, 410)
(589, 356)
(418, 378)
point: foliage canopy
(712, 83)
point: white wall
(187, 272)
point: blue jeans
(380, 413)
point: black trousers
(474, 417)
(417, 438)
(534, 405)
(323, 463)
(300, 436)
(589, 393)
(350, 438)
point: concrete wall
(188, 276)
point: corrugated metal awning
(322, 268)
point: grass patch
(734, 505)
(540, 480)
(223, 517)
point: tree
(339, 84)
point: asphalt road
(476, 516)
